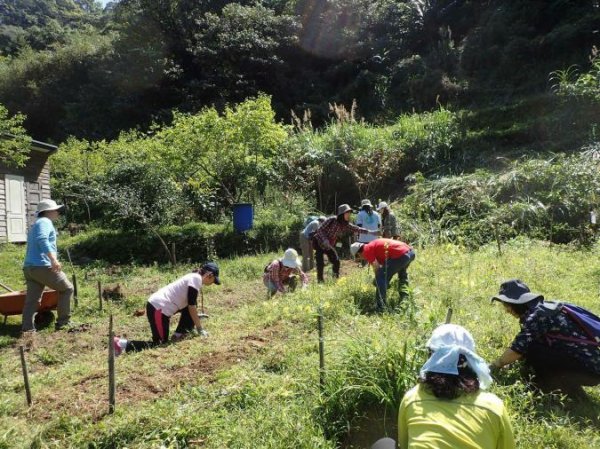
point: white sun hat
(355, 247)
(46, 205)
(448, 342)
(291, 259)
(382, 205)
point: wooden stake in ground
(321, 349)
(448, 315)
(25, 376)
(75, 293)
(111, 367)
(99, 295)
(173, 254)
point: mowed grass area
(254, 383)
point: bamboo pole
(321, 350)
(448, 315)
(100, 295)
(25, 376)
(111, 367)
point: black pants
(159, 326)
(558, 370)
(333, 259)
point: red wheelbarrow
(12, 303)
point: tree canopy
(75, 69)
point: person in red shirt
(387, 257)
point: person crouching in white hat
(281, 274)
(42, 268)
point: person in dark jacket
(556, 347)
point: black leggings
(555, 369)
(159, 325)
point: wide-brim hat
(48, 205)
(213, 268)
(366, 203)
(515, 291)
(291, 259)
(382, 205)
(343, 208)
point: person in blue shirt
(42, 268)
(306, 235)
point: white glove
(201, 332)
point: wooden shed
(21, 189)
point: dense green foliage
(14, 141)
(546, 199)
(76, 70)
(188, 170)
(274, 228)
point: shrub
(548, 199)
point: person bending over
(180, 296)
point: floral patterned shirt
(276, 272)
(541, 321)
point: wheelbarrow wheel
(44, 319)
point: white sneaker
(119, 344)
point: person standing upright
(369, 219)
(42, 268)
(389, 221)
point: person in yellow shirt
(447, 409)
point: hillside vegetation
(74, 69)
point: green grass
(254, 383)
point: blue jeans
(387, 271)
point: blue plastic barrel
(243, 215)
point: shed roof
(36, 145)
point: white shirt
(371, 222)
(174, 297)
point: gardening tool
(13, 302)
(202, 315)
(7, 288)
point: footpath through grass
(254, 383)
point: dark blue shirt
(542, 320)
